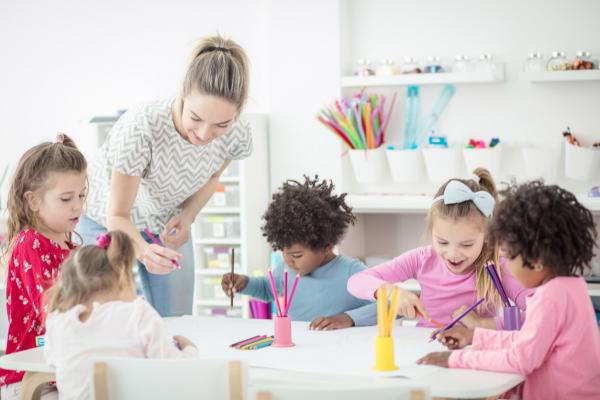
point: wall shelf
(424, 79)
(225, 241)
(414, 204)
(561, 76)
(220, 210)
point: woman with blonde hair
(160, 165)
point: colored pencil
(232, 278)
(275, 296)
(289, 302)
(457, 319)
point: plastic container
(363, 68)
(259, 309)
(462, 64)
(219, 257)
(369, 166)
(406, 166)
(541, 162)
(557, 62)
(584, 60)
(488, 158)
(534, 63)
(386, 67)
(384, 354)
(581, 163)
(232, 170)
(410, 66)
(512, 318)
(226, 195)
(283, 332)
(210, 287)
(220, 226)
(486, 64)
(441, 164)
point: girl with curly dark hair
(549, 238)
(305, 221)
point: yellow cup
(384, 354)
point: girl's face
(528, 277)
(59, 204)
(205, 118)
(303, 260)
(458, 242)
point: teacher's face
(205, 118)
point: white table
(314, 353)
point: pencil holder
(441, 164)
(581, 163)
(384, 354)
(541, 162)
(512, 318)
(283, 332)
(406, 165)
(368, 165)
(488, 158)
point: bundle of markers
(359, 121)
(480, 144)
(253, 343)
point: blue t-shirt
(322, 293)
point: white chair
(191, 378)
(350, 392)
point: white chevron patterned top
(144, 142)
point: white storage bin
(488, 158)
(219, 226)
(219, 257)
(232, 170)
(441, 164)
(226, 195)
(369, 166)
(541, 162)
(406, 166)
(581, 163)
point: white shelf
(382, 203)
(213, 271)
(415, 204)
(229, 179)
(217, 303)
(561, 76)
(424, 79)
(224, 241)
(594, 289)
(220, 210)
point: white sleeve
(49, 339)
(153, 335)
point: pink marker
(156, 241)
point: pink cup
(512, 318)
(283, 332)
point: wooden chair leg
(100, 381)
(264, 396)
(235, 381)
(33, 383)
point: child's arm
(365, 315)
(260, 287)
(364, 284)
(513, 351)
(154, 338)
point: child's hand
(408, 303)
(339, 321)
(456, 337)
(241, 281)
(182, 342)
(439, 358)
(471, 320)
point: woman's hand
(159, 260)
(339, 321)
(176, 232)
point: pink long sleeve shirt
(557, 349)
(442, 291)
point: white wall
(63, 61)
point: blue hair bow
(457, 192)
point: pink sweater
(557, 349)
(442, 291)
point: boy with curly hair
(305, 221)
(549, 238)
